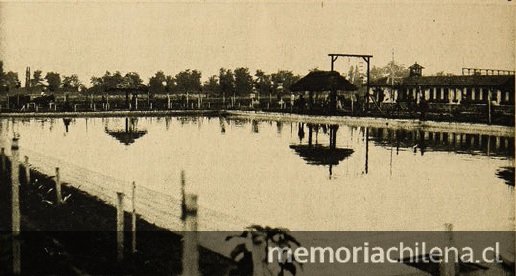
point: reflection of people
(301, 132)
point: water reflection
(66, 122)
(127, 135)
(476, 144)
(507, 174)
(317, 154)
(234, 169)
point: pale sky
(88, 38)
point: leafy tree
(110, 81)
(71, 83)
(211, 86)
(391, 70)
(11, 80)
(171, 84)
(132, 79)
(243, 81)
(355, 76)
(226, 81)
(36, 78)
(252, 251)
(156, 85)
(54, 81)
(188, 81)
(262, 83)
(283, 78)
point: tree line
(239, 82)
(227, 82)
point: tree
(262, 83)
(211, 86)
(243, 81)
(283, 78)
(54, 81)
(392, 69)
(71, 82)
(226, 81)
(11, 80)
(188, 81)
(110, 81)
(355, 76)
(37, 78)
(132, 79)
(156, 85)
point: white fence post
(120, 227)
(27, 170)
(133, 219)
(59, 198)
(4, 167)
(15, 184)
(190, 241)
(448, 267)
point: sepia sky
(88, 38)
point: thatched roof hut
(317, 81)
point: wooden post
(183, 199)
(3, 161)
(120, 227)
(27, 170)
(59, 198)
(168, 101)
(133, 219)
(448, 267)
(190, 241)
(15, 181)
(15, 227)
(489, 106)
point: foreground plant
(251, 255)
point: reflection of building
(316, 154)
(444, 141)
(463, 89)
(127, 135)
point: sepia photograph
(257, 138)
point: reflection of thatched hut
(320, 81)
(127, 135)
(316, 154)
(320, 155)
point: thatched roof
(323, 81)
